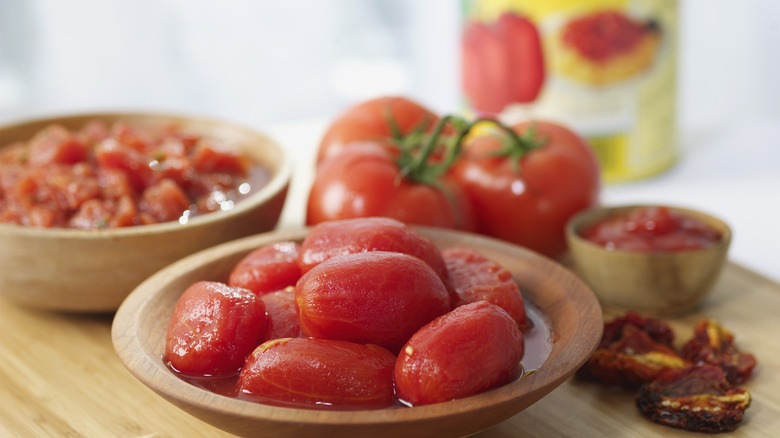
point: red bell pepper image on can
(502, 63)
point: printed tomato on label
(527, 182)
(502, 63)
(407, 182)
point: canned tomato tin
(606, 68)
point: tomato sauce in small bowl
(650, 258)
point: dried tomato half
(697, 398)
(632, 359)
(713, 344)
(659, 330)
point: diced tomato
(164, 201)
(56, 144)
(213, 157)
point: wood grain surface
(59, 376)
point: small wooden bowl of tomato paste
(650, 258)
(93, 204)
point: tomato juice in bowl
(92, 270)
(657, 259)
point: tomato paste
(652, 229)
(110, 176)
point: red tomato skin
(368, 120)
(293, 372)
(335, 238)
(267, 269)
(530, 207)
(363, 180)
(376, 297)
(213, 328)
(474, 277)
(469, 350)
(281, 317)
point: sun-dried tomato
(713, 344)
(658, 329)
(632, 359)
(696, 398)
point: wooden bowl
(655, 283)
(565, 304)
(94, 270)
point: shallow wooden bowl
(94, 270)
(654, 283)
(565, 304)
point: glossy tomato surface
(281, 316)
(471, 349)
(652, 229)
(373, 120)
(318, 372)
(376, 297)
(474, 277)
(364, 180)
(213, 328)
(267, 269)
(348, 236)
(528, 200)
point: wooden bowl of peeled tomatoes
(358, 327)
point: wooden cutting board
(59, 376)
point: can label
(605, 68)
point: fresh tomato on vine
(387, 118)
(527, 182)
(404, 181)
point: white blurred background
(279, 65)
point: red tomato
(213, 328)
(375, 297)
(267, 269)
(334, 238)
(502, 63)
(319, 373)
(471, 349)
(474, 277)
(365, 180)
(281, 317)
(528, 192)
(373, 120)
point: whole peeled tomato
(281, 317)
(213, 328)
(335, 238)
(474, 277)
(267, 269)
(471, 349)
(381, 118)
(525, 187)
(367, 179)
(319, 372)
(376, 297)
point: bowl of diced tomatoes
(92, 204)
(358, 327)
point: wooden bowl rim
(279, 179)
(592, 215)
(136, 355)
